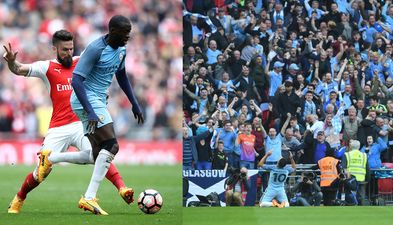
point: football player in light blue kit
(275, 190)
(98, 63)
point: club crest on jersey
(121, 55)
(101, 118)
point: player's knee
(110, 145)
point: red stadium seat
(388, 165)
(385, 186)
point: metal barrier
(379, 189)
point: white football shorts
(59, 139)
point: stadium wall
(13, 152)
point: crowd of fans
(300, 76)
(153, 62)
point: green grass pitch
(55, 200)
(369, 215)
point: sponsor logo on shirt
(64, 87)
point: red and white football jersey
(57, 79)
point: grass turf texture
(55, 201)
(370, 215)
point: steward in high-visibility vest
(329, 172)
(330, 168)
(356, 164)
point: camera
(233, 171)
(308, 177)
(235, 175)
(341, 176)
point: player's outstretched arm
(15, 66)
(263, 160)
(125, 85)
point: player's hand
(138, 115)
(269, 153)
(9, 55)
(92, 123)
(290, 155)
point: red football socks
(114, 176)
(28, 185)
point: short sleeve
(87, 60)
(289, 169)
(38, 69)
(123, 62)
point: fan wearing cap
(320, 146)
(292, 73)
(314, 127)
(275, 77)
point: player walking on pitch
(65, 129)
(99, 62)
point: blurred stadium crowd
(153, 62)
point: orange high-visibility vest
(328, 168)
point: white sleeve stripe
(29, 73)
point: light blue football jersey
(97, 64)
(278, 176)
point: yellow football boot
(92, 206)
(44, 166)
(127, 194)
(15, 205)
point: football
(150, 201)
